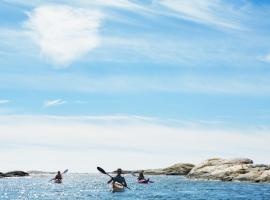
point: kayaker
(118, 178)
(58, 178)
(142, 179)
(141, 176)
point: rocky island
(230, 170)
(177, 169)
(241, 169)
(13, 174)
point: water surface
(93, 186)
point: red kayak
(145, 181)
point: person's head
(142, 171)
(119, 171)
(58, 172)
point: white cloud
(213, 12)
(124, 4)
(265, 58)
(64, 34)
(55, 102)
(82, 143)
(4, 101)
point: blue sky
(198, 62)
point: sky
(132, 83)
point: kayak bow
(143, 181)
(117, 187)
(58, 181)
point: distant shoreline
(242, 169)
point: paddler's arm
(110, 181)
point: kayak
(117, 187)
(57, 181)
(143, 181)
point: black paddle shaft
(103, 171)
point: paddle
(133, 174)
(104, 172)
(61, 174)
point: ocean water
(93, 186)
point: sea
(94, 186)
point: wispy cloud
(178, 83)
(216, 12)
(63, 33)
(95, 137)
(123, 4)
(55, 102)
(4, 101)
(76, 31)
(265, 58)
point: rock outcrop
(13, 174)
(230, 170)
(177, 169)
(2, 175)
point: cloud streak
(265, 58)
(69, 43)
(4, 101)
(56, 102)
(64, 34)
(179, 83)
(213, 13)
(87, 139)
(77, 32)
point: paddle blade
(133, 174)
(65, 171)
(101, 170)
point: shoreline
(218, 169)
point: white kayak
(117, 187)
